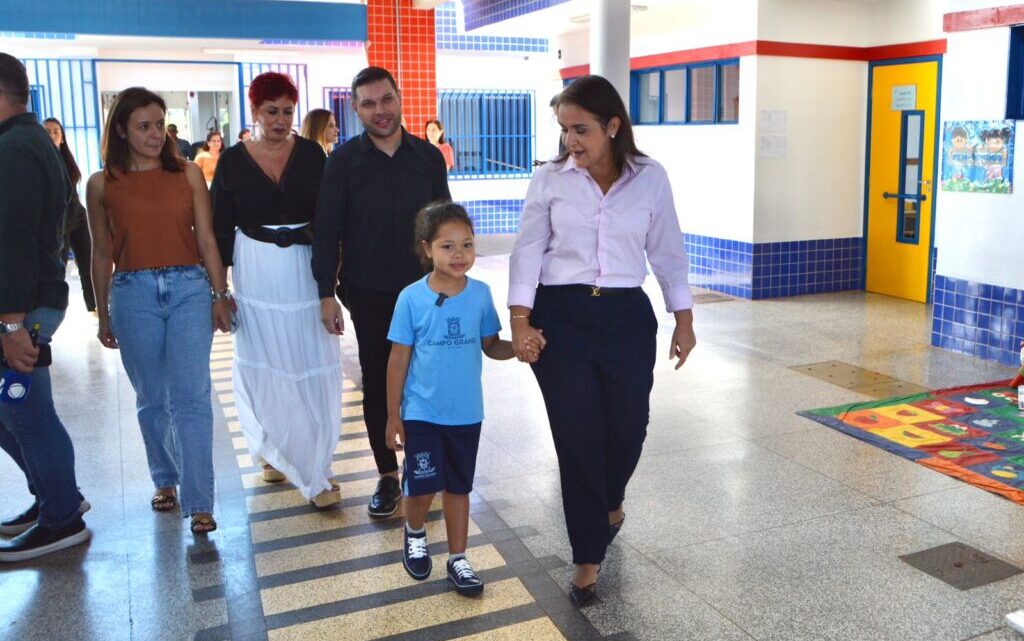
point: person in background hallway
(149, 213)
(321, 127)
(184, 147)
(34, 195)
(208, 157)
(76, 229)
(590, 219)
(435, 400)
(434, 132)
(287, 371)
(244, 135)
(373, 186)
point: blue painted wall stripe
(248, 19)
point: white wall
(692, 25)
(816, 189)
(711, 166)
(848, 22)
(979, 236)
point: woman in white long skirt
(287, 370)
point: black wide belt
(592, 290)
(282, 237)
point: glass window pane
(910, 208)
(675, 95)
(729, 110)
(649, 97)
(702, 94)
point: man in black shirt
(373, 186)
(34, 195)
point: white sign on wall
(904, 97)
(772, 133)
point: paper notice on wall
(904, 98)
(773, 146)
(772, 121)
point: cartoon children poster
(977, 156)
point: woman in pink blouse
(592, 220)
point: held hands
(222, 312)
(106, 336)
(331, 317)
(395, 434)
(527, 341)
(19, 352)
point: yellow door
(901, 171)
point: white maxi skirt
(287, 369)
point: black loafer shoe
(384, 501)
(18, 524)
(582, 597)
(613, 529)
(38, 541)
(24, 521)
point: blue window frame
(705, 93)
(491, 132)
(66, 90)
(339, 101)
(1015, 77)
(909, 200)
(249, 70)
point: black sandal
(163, 502)
(613, 529)
(203, 525)
(583, 597)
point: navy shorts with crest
(439, 457)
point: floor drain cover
(961, 566)
(842, 374)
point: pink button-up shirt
(571, 233)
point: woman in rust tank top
(151, 223)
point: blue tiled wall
(450, 38)
(345, 44)
(982, 320)
(722, 265)
(494, 216)
(39, 35)
(774, 270)
(480, 13)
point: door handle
(916, 197)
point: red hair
(271, 86)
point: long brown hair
(74, 173)
(597, 96)
(115, 146)
(314, 125)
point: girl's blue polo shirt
(443, 385)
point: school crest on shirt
(423, 467)
(454, 328)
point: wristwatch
(10, 328)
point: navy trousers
(596, 376)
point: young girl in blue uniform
(441, 324)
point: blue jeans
(162, 319)
(32, 434)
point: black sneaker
(464, 578)
(415, 556)
(38, 541)
(384, 501)
(21, 523)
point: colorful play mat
(975, 434)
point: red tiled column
(401, 39)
